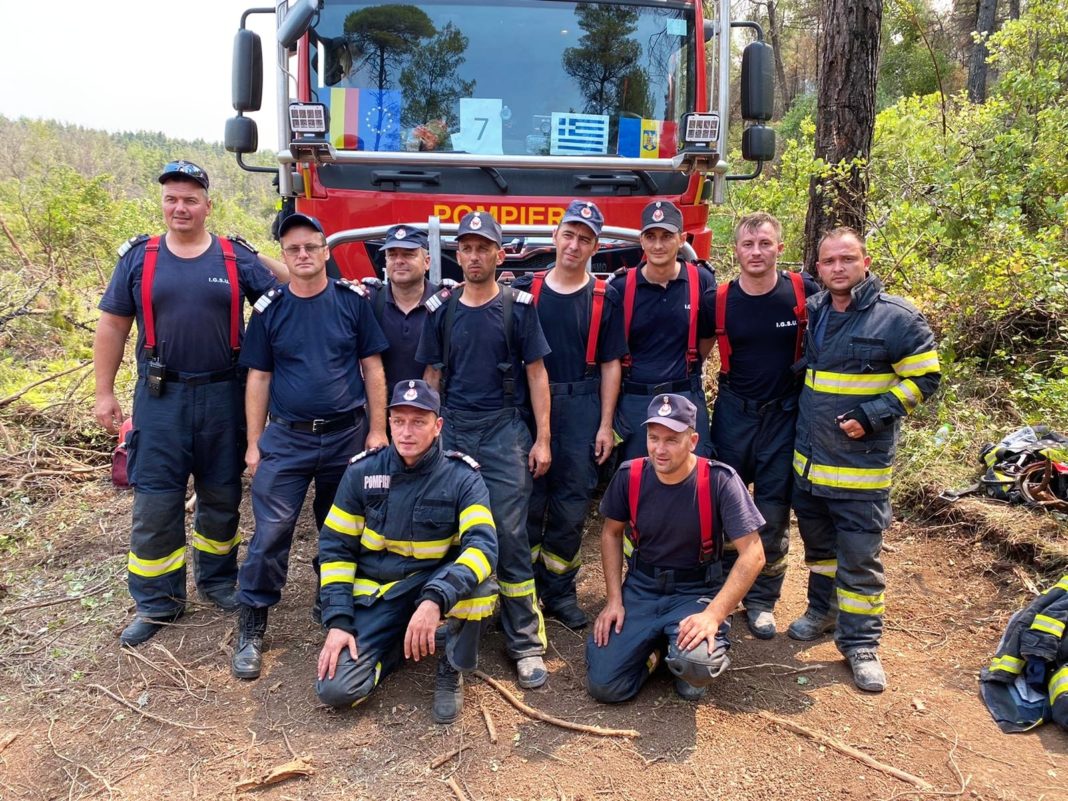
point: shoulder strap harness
(709, 550)
(694, 286)
(508, 299)
(596, 312)
(800, 313)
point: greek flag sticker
(578, 134)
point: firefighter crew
(307, 346)
(485, 352)
(585, 333)
(668, 307)
(409, 541)
(760, 323)
(186, 290)
(676, 603)
(870, 360)
(398, 302)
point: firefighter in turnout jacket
(870, 360)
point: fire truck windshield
(511, 77)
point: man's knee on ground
(612, 692)
(696, 666)
(352, 683)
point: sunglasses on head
(185, 168)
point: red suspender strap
(800, 312)
(536, 284)
(148, 276)
(704, 508)
(596, 310)
(235, 293)
(721, 329)
(694, 281)
(629, 290)
(637, 467)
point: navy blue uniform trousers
(633, 410)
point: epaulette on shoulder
(372, 281)
(450, 283)
(358, 288)
(463, 457)
(522, 297)
(131, 243)
(266, 299)
(365, 454)
(437, 300)
(240, 240)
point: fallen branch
(301, 766)
(848, 750)
(789, 669)
(66, 599)
(8, 739)
(489, 723)
(460, 794)
(531, 712)
(441, 760)
(148, 715)
(12, 398)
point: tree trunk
(775, 40)
(977, 67)
(845, 117)
(1014, 9)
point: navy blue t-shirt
(190, 303)
(669, 519)
(312, 347)
(660, 325)
(402, 332)
(565, 319)
(475, 383)
(762, 330)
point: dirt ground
(188, 730)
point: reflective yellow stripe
(475, 515)
(918, 364)
(1006, 664)
(337, 573)
(202, 543)
(364, 586)
(628, 547)
(535, 553)
(372, 540)
(800, 460)
(476, 561)
(823, 567)
(859, 604)
(908, 393)
(1061, 585)
(559, 565)
(154, 568)
(861, 478)
(1058, 684)
(776, 568)
(510, 590)
(474, 608)
(419, 549)
(849, 383)
(378, 675)
(344, 523)
(1049, 625)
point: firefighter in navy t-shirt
(485, 352)
(187, 410)
(313, 356)
(585, 332)
(681, 508)
(759, 325)
(667, 307)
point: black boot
(448, 692)
(248, 657)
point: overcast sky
(129, 65)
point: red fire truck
(395, 112)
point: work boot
(532, 672)
(868, 673)
(687, 691)
(448, 692)
(812, 625)
(567, 611)
(248, 656)
(761, 623)
(223, 597)
(142, 629)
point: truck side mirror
(758, 87)
(241, 135)
(246, 91)
(758, 143)
(296, 22)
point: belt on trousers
(634, 388)
(201, 378)
(591, 386)
(676, 575)
(760, 406)
(319, 425)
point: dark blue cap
(480, 223)
(182, 169)
(673, 411)
(662, 214)
(404, 236)
(417, 394)
(585, 212)
(293, 220)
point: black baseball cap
(182, 169)
(585, 212)
(418, 394)
(662, 214)
(480, 223)
(673, 411)
(293, 220)
(404, 236)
